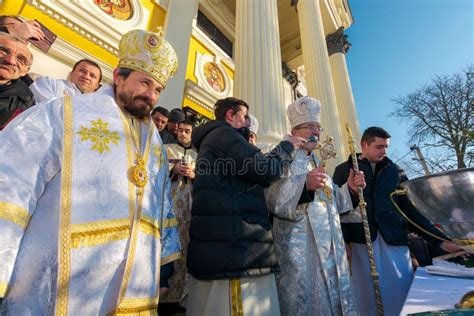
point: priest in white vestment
(182, 163)
(85, 201)
(84, 77)
(314, 277)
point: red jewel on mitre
(152, 40)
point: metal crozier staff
(368, 240)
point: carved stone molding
(202, 92)
(289, 75)
(197, 33)
(338, 42)
(301, 88)
(344, 13)
(70, 54)
(199, 95)
(206, 83)
(220, 15)
(89, 21)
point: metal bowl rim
(441, 174)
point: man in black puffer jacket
(388, 229)
(231, 256)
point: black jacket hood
(200, 132)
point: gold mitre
(148, 52)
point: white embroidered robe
(46, 88)
(314, 276)
(181, 191)
(75, 238)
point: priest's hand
(356, 180)
(177, 169)
(315, 180)
(296, 141)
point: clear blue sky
(397, 46)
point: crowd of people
(112, 205)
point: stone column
(338, 46)
(178, 27)
(318, 74)
(258, 74)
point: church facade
(267, 52)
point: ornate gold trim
(167, 222)
(97, 233)
(91, 227)
(102, 232)
(3, 289)
(14, 213)
(236, 297)
(136, 208)
(64, 265)
(128, 145)
(148, 142)
(149, 229)
(138, 306)
(170, 258)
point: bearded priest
(85, 201)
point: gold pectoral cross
(138, 174)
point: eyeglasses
(311, 127)
(21, 59)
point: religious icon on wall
(118, 9)
(214, 77)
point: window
(214, 34)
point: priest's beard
(128, 101)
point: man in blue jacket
(387, 228)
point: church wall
(196, 48)
(71, 45)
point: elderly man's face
(138, 93)
(15, 59)
(307, 130)
(86, 77)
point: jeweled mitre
(148, 52)
(304, 110)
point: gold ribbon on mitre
(148, 52)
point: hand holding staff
(368, 240)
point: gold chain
(137, 173)
(136, 134)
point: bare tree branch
(441, 115)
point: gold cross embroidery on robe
(99, 135)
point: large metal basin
(447, 200)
